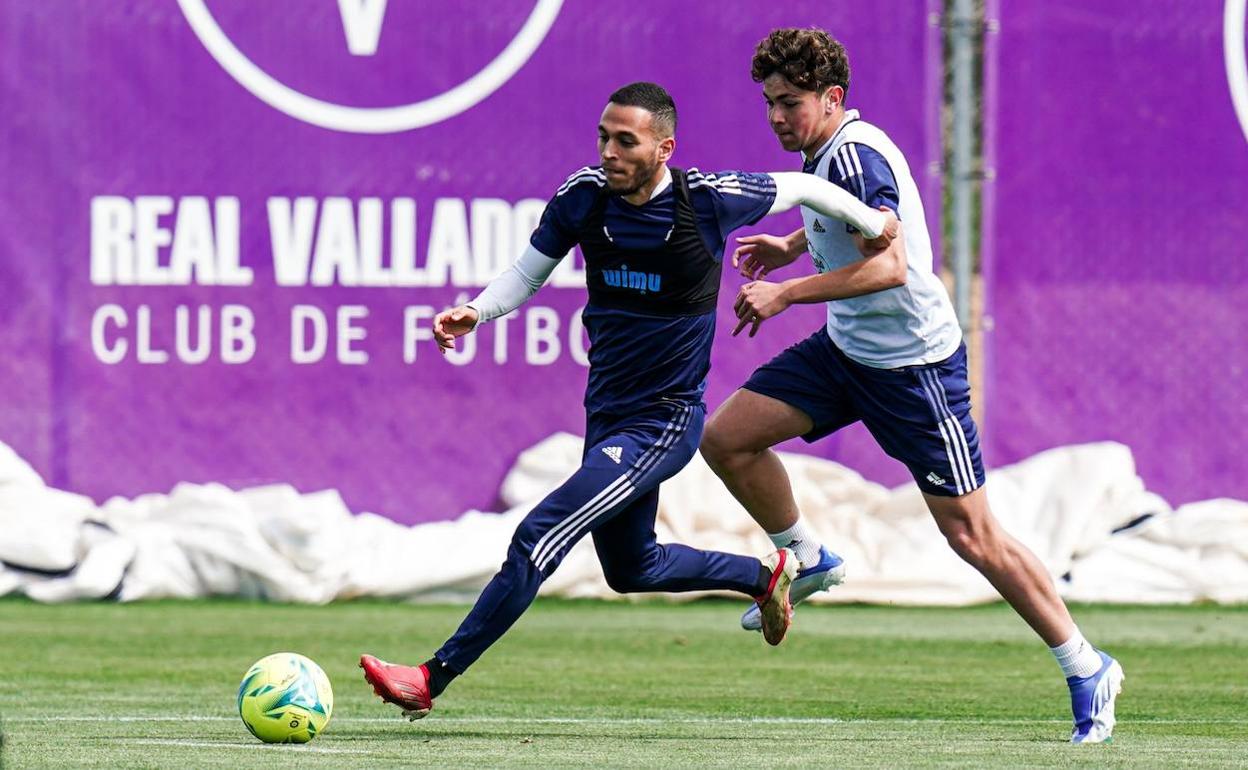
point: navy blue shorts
(920, 415)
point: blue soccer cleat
(829, 571)
(1092, 701)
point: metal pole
(962, 41)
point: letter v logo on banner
(1233, 42)
(362, 22)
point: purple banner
(1115, 236)
(226, 225)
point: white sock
(797, 538)
(1077, 656)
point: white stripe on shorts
(961, 441)
(956, 445)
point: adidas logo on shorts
(614, 452)
(937, 480)
(818, 227)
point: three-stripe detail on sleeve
(728, 184)
(849, 166)
(586, 174)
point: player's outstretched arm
(758, 255)
(500, 296)
(794, 188)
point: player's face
(630, 150)
(800, 118)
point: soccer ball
(285, 698)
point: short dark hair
(809, 58)
(652, 98)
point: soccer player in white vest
(891, 355)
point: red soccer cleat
(405, 686)
(775, 610)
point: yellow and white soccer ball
(285, 698)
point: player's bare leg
(737, 445)
(1019, 576)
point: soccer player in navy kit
(652, 237)
(890, 355)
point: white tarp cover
(275, 543)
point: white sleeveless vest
(904, 326)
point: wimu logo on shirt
(632, 279)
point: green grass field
(648, 684)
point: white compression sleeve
(794, 188)
(513, 286)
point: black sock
(440, 675)
(764, 580)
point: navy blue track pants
(614, 495)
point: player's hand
(758, 255)
(756, 302)
(453, 323)
(892, 230)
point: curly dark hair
(810, 59)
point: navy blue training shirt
(653, 275)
